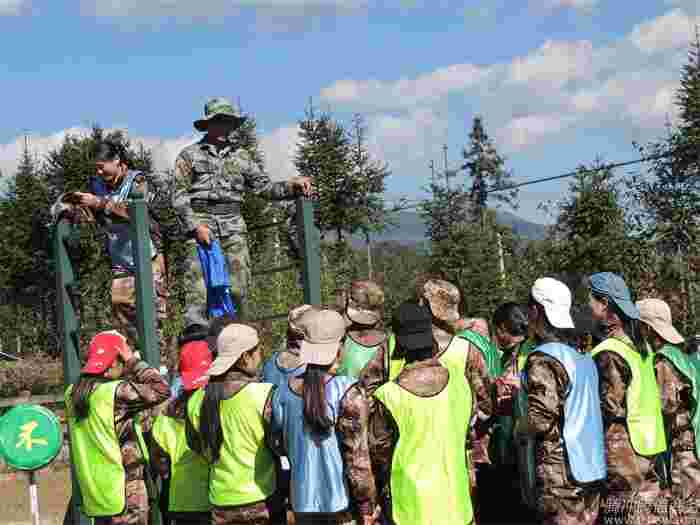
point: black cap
(412, 325)
(193, 332)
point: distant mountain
(410, 228)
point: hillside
(410, 228)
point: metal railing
(67, 286)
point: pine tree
(369, 179)
(486, 168)
(471, 259)
(688, 95)
(668, 192)
(324, 155)
(445, 209)
(26, 275)
(592, 233)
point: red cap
(195, 360)
(103, 350)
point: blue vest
(583, 421)
(273, 373)
(317, 472)
(118, 232)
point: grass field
(54, 492)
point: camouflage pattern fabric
(136, 512)
(235, 250)
(677, 406)
(632, 493)
(340, 518)
(142, 389)
(207, 177)
(124, 304)
(560, 501)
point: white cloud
(405, 93)
(670, 31)
(278, 147)
(12, 7)
(40, 145)
(213, 10)
(554, 64)
(525, 131)
(537, 97)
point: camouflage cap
(364, 303)
(443, 298)
(295, 315)
(218, 107)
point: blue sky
(558, 82)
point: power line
(413, 204)
(585, 170)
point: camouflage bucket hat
(218, 107)
(443, 298)
(364, 303)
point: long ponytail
(210, 431)
(315, 406)
(80, 395)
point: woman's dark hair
(512, 316)
(107, 151)
(216, 326)
(315, 406)
(211, 436)
(194, 441)
(80, 395)
(552, 334)
(693, 344)
(629, 326)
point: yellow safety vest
(644, 417)
(96, 454)
(245, 471)
(430, 474)
(189, 472)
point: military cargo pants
(124, 318)
(235, 251)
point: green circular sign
(30, 437)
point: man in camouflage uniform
(211, 179)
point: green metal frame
(67, 284)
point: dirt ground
(54, 492)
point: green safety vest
(429, 472)
(245, 471)
(492, 355)
(454, 358)
(644, 418)
(689, 366)
(395, 364)
(96, 454)
(189, 472)
(524, 350)
(355, 357)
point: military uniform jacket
(206, 176)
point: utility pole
(447, 173)
(432, 171)
(501, 261)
